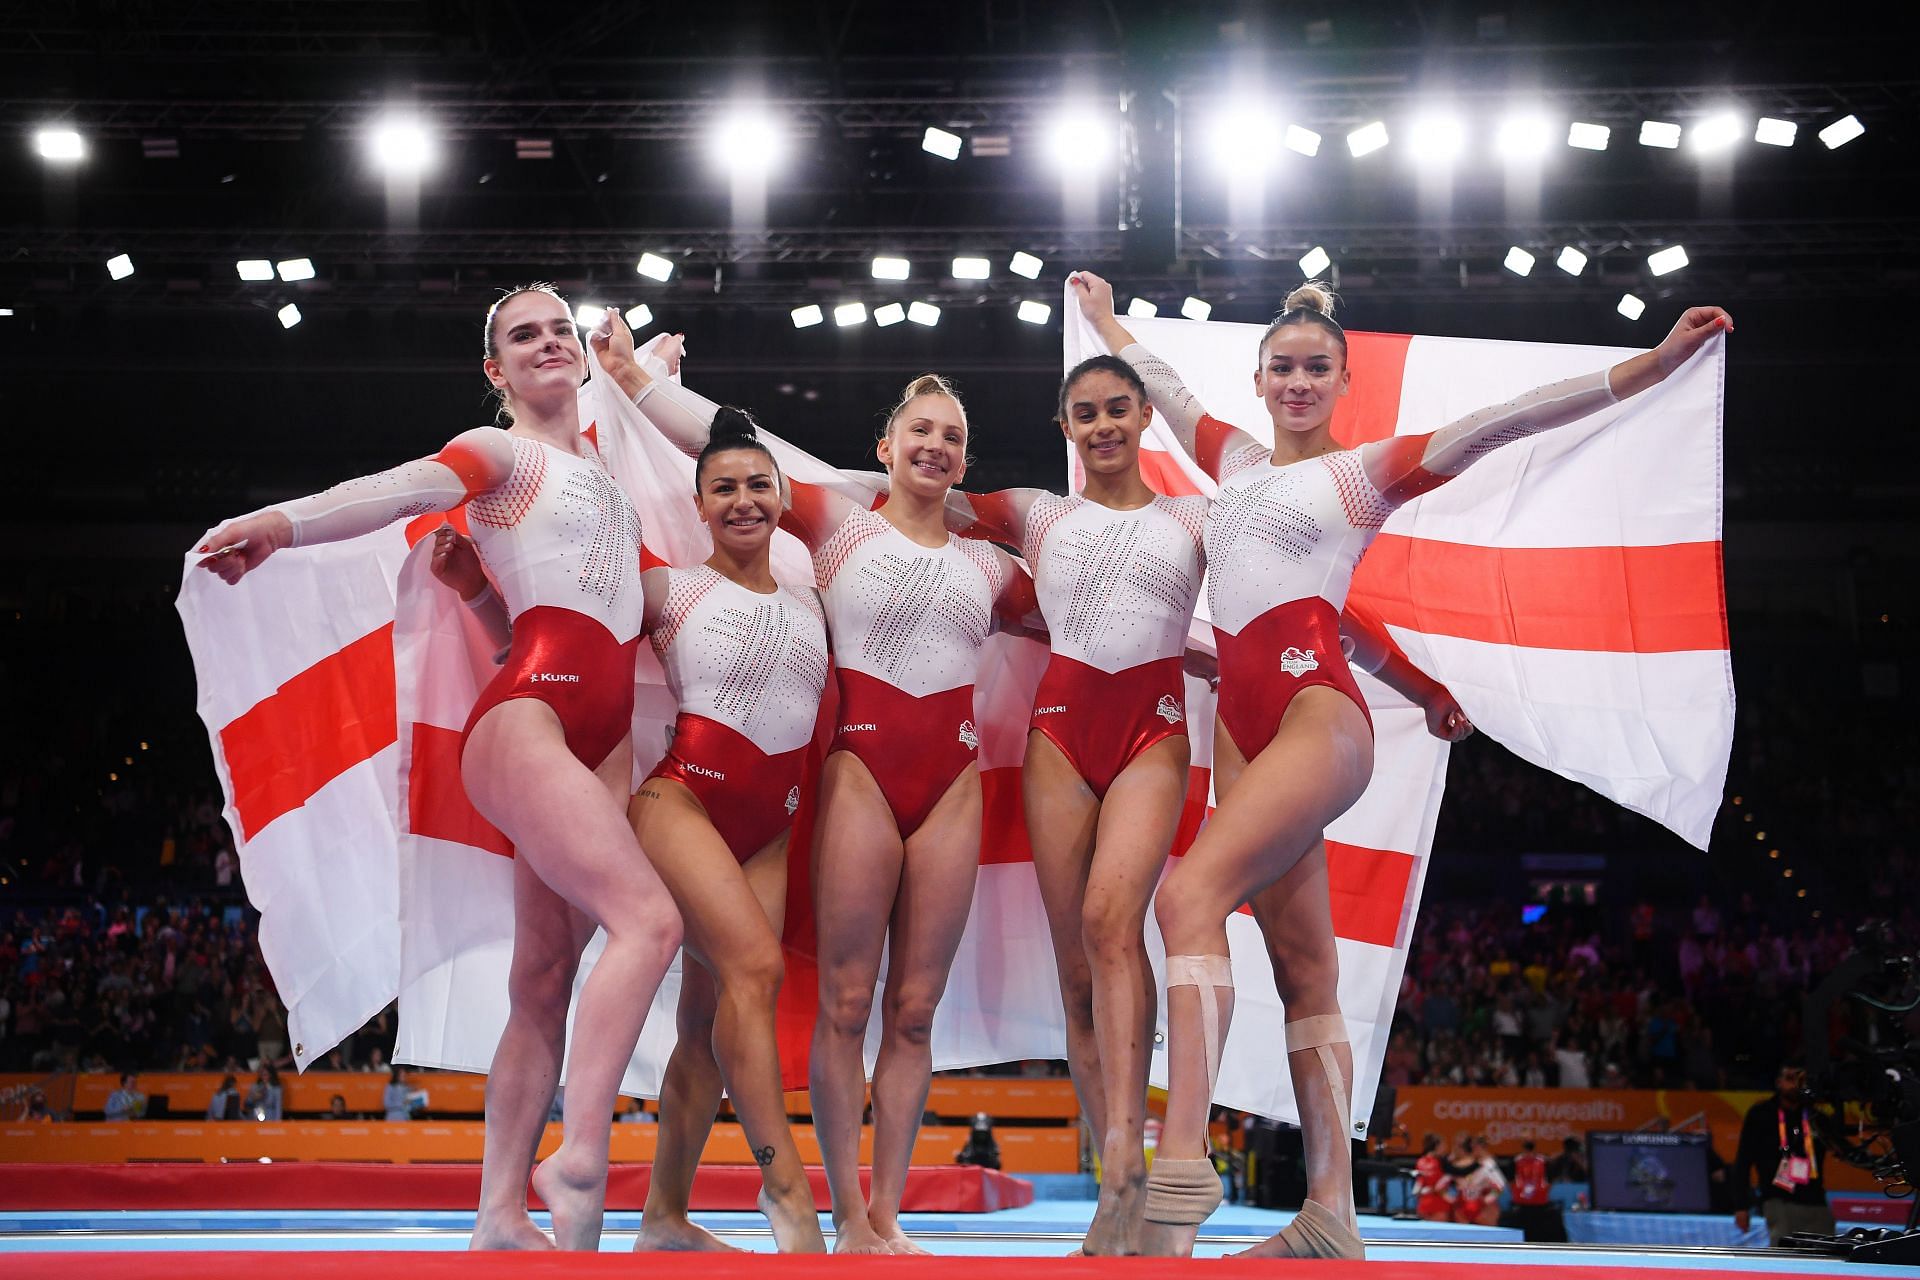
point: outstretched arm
(1405, 467)
(472, 463)
(1207, 440)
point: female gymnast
(546, 754)
(898, 836)
(746, 659)
(1117, 569)
(1293, 744)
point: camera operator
(1777, 1142)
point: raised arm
(1404, 467)
(1207, 440)
(472, 463)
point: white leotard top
(910, 615)
(755, 663)
(1117, 588)
(560, 532)
(1275, 535)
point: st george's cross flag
(334, 713)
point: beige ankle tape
(1182, 1193)
(1320, 1033)
(1208, 974)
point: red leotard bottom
(749, 795)
(1101, 720)
(913, 747)
(1274, 657)
(573, 664)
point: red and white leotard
(747, 671)
(1283, 541)
(561, 541)
(907, 622)
(1117, 590)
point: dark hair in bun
(732, 429)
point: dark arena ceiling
(572, 138)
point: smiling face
(925, 448)
(1303, 370)
(739, 498)
(1104, 417)
(535, 350)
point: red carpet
(500, 1266)
(949, 1189)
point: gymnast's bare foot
(577, 1200)
(796, 1224)
(513, 1229)
(664, 1233)
(1117, 1221)
(1167, 1240)
(888, 1229)
(856, 1235)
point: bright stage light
(6, 311)
(295, 269)
(1196, 308)
(402, 146)
(254, 269)
(1842, 131)
(1588, 137)
(1523, 138)
(1035, 312)
(1025, 264)
(1518, 261)
(941, 143)
(1141, 309)
(120, 266)
(654, 267)
(848, 314)
(1769, 132)
(1367, 139)
(1080, 139)
(1571, 260)
(59, 144)
(289, 316)
(1437, 140)
(891, 268)
(748, 143)
(639, 317)
(1631, 307)
(923, 313)
(1717, 133)
(891, 314)
(1668, 260)
(588, 315)
(971, 268)
(1658, 133)
(1314, 261)
(1241, 141)
(806, 317)
(1303, 140)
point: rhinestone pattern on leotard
(754, 662)
(1117, 587)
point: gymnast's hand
(456, 562)
(237, 548)
(1690, 333)
(1094, 295)
(1445, 720)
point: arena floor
(334, 1242)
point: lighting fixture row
(749, 141)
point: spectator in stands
(225, 1103)
(264, 1097)
(337, 1108)
(126, 1102)
(1571, 1164)
(1778, 1144)
(394, 1098)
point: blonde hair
(1311, 303)
(927, 384)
